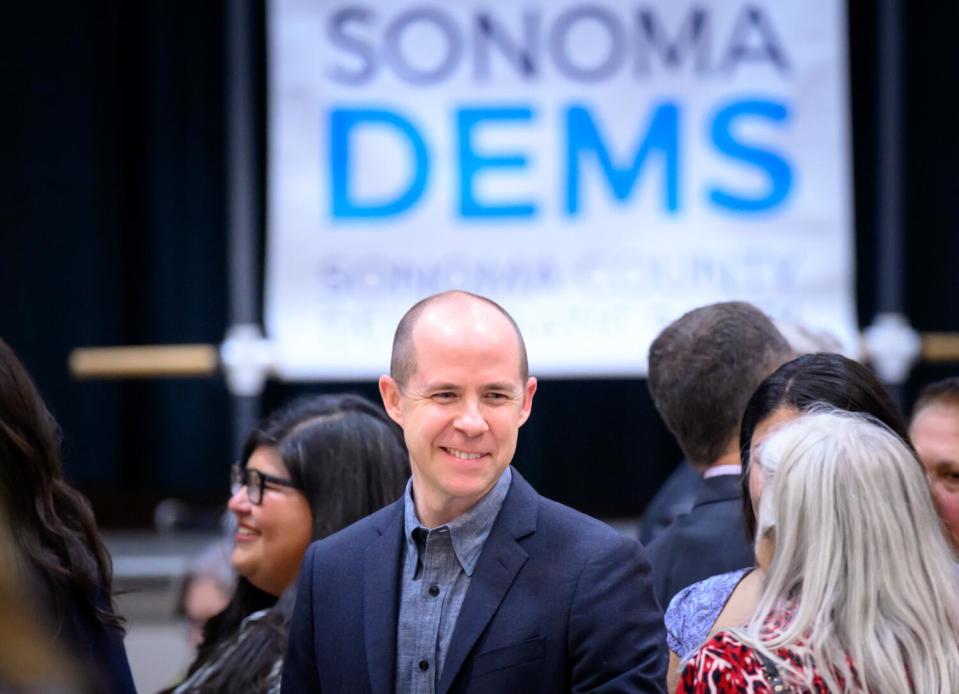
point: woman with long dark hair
(312, 468)
(30, 662)
(54, 533)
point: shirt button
(434, 590)
(424, 665)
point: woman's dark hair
(349, 460)
(52, 526)
(821, 378)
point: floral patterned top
(725, 665)
(693, 611)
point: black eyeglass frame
(255, 482)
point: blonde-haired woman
(861, 593)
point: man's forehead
(935, 434)
(464, 320)
(462, 313)
(939, 419)
(468, 329)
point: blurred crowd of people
(808, 542)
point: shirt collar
(720, 470)
(469, 531)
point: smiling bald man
(471, 582)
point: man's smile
(462, 455)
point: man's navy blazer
(558, 602)
(707, 541)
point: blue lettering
(343, 204)
(662, 136)
(774, 166)
(471, 163)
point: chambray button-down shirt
(437, 566)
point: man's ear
(390, 393)
(528, 394)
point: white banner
(598, 168)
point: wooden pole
(150, 361)
(178, 361)
(940, 347)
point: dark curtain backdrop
(114, 232)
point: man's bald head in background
(403, 359)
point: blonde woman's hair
(860, 564)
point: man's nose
(470, 419)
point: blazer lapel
(501, 559)
(380, 600)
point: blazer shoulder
(357, 536)
(574, 526)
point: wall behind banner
(114, 233)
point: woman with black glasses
(312, 468)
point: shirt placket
(433, 587)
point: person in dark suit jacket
(674, 498)
(471, 582)
(703, 368)
(706, 541)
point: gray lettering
(401, 65)
(770, 49)
(523, 58)
(559, 44)
(694, 36)
(356, 46)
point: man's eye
(444, 395)
(497, 396)
(947, 477)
